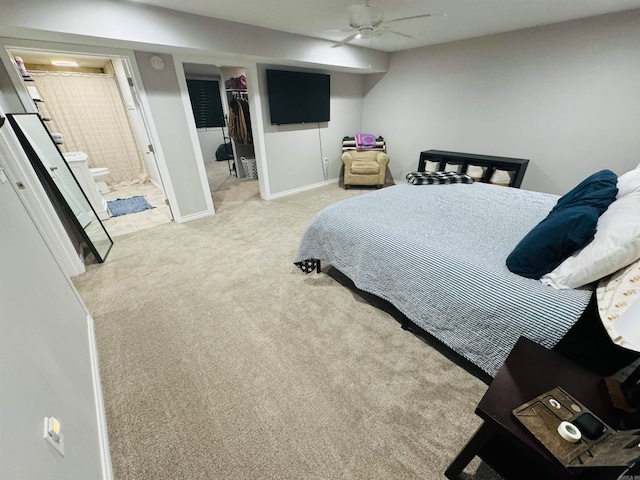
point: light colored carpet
(220, 360)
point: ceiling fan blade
(398, 33)
(344, 41)
(426, 15)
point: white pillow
(453, 167)
(431, 166)
(501, 177)
(476, 171)
(628, 183)
(616, 244)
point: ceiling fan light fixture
(365, 33)
(365, 16)
(367, 22)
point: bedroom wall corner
(564, 96)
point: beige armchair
(364, 167)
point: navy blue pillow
(550, 242)
(597, 190)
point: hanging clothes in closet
(240, 121)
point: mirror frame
(45, 178)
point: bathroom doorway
(91, 106)
(227, 150)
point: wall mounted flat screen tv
(298, 97)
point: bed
(437, 254)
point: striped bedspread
(438, 255)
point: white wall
(566, 96)
(184, 164)
(210, 139)
(295, 152)
(47, 356)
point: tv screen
(298, 97)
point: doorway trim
(193, 133)
(255, 110)
(14, 162)
(52, 228)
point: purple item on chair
(365, 140)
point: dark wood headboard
(493, 163)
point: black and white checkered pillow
(437, 178)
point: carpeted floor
(220, 360)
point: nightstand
(504, 443)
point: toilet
(100, 177)
(89, 181)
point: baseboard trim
(105, 454)
(313, 186)
(193, 216)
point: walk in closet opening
(219, 100)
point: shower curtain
(87, 109)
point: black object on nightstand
(504, 443)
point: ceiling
(329, 19)
(452, 20)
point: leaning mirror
(73, 207)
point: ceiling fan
(368, 21)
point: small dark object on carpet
(124, 206)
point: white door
(133, 106)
